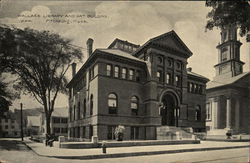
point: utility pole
(21, 120)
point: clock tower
(229, 64)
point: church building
(148, 89)
(228, 94)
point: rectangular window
(6, 126)
(208, 111)
(134, 133)
(6, 120)
(178, 80)
(124, 73)
(108, 70)
(56, 130)
(159, 76)
(12, 127)
(56, 120)
(168, 78)
(131, 75)
(111, 132)
(137, 78)
(83, 132)
(116, 72)
(64, 120)
(64, 130)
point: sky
(136, 22)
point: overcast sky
(136, 22)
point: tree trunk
(48, 133)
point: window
(78, 110)
(112, 103)
(131, 75)
(200, 89)
(6, 126)
(64, 120)
(159, 76)
(178, 80)
(12, 127)
(134, 133)
(178, 64)
(56, 130)
(168, 78)
(188, 87)
(169, 62)
(159, 60)
(134, 105)
(116, 72)
(198, 113)
(83, 132)
(84, 108)
(192, 87)
(91, 105)
(64, 130)
(108, 70)
(111, 132)
(6, 120)
(208, 111)
(137, 76)
(74, 113)
(56, 120)
(124, 73)
(12, 121)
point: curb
(118, 155)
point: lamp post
(21, 105)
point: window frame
(112, 100)
(134, 100)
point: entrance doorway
(168, 111)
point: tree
(225, 13)
(39, 59)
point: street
(14, 151)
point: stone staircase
(174, 133)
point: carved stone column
(215, 109)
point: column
(215, 113)
(237, 114)
(228, 118)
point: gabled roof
(226, 81)
(60, 112)
(171, 34)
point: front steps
(174, 133)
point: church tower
(229, 64)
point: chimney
(73, 69)
(89, 46)
(189, 69)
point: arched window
(198, 113)
(91, 105)
(134, 105)
(112, 103)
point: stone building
(147, 88)
(228, 94)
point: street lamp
(21, 105)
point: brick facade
(140, 87)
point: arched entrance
(169, 109)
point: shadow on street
(13, 145)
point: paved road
(14, 151)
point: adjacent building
(228, 94)
(9, 127)
(58, 122)
(147, 88)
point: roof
(124, 42)
(197, 75)
(60, 112)
(33, 120)
(226, 81)
(120, 53)
(171, 33)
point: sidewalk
(96, 153)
